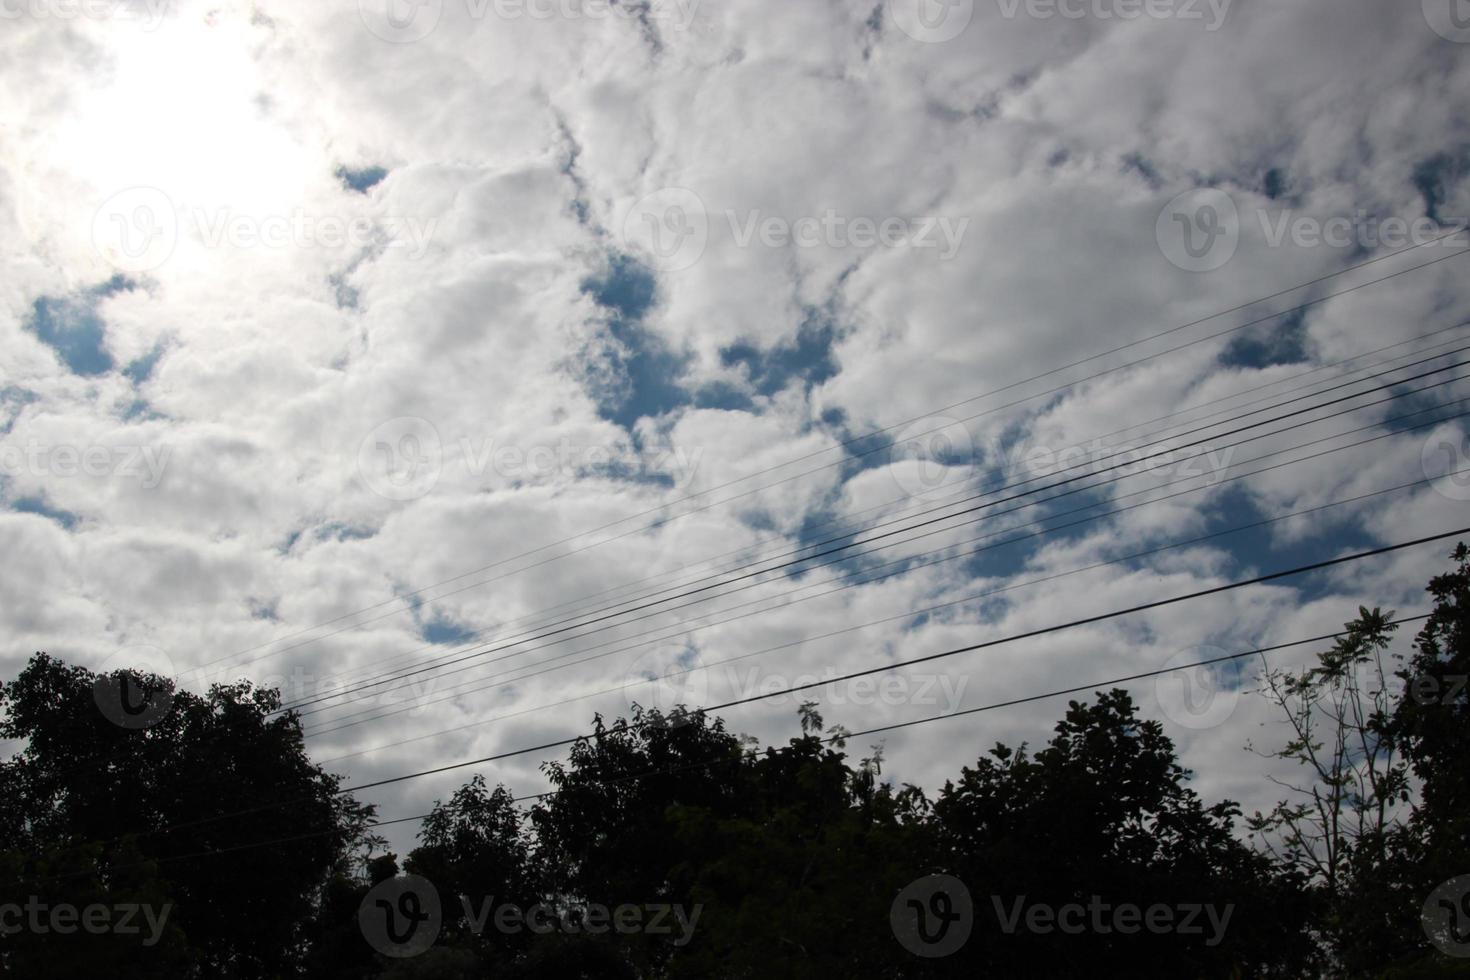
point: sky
(340, 340)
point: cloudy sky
(340, 340)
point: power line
(1338, 435)
(707, 764)
(819, 469)
(984, 645)
(536, 620)
(401, 663)
(888, 619)
(1017, 702)
(852, 544)
(1432, 334)
(971, 521)
(854, 441)
(683, 629)
(971, 648)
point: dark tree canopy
(89, 806)
(788, 862)
(1103, 814)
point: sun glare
(184, 111)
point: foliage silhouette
(785, 862)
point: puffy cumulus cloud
(328, 337)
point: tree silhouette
(116, 802)
(788, 862)
(1102, 814)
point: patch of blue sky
(73, 328)
(39, 507)
(361, 179)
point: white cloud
(516, 149)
